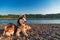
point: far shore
(30, 19)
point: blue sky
(29, 6)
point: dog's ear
(20, 15)
(24, 15)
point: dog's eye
(24, 19)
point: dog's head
(22, 19)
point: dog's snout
(24, 19)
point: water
(32, 21)
(43, 21)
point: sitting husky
(9, 29)
(22, 26)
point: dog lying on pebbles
(9, 29)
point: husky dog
(22, 26)
(9, 29)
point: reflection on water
(32, 21)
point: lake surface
(32, 21)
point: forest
(32, 16)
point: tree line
(32, 16)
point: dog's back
(9, 29)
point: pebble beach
(38, 32)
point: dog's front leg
(25, 32)
(4, 33)
(18, 32)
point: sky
(29, 7)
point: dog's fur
(9, 29)
(22, 26)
